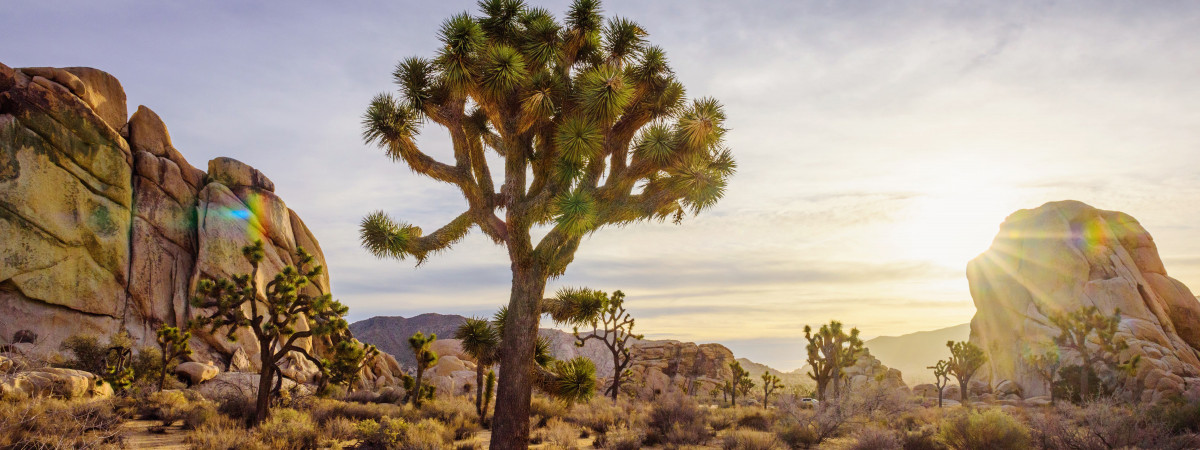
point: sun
(954, 220)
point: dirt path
(143, 434)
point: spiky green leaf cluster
(592, 124)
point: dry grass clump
(167, 406)
(198, 414)
(397, 433)
(1104, 424)
(223, 433)
(339, 429)
(600, 414)
(324, 410)
(747, 439)
(991, 429)
(457, 413)
(558, 434)
(542, 409)
(754, 419)
(288, 429)
(676, 419)
(54, 423)
(621, 438)
(875, 438)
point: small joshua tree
(965, 359)
(740, 383)
(611, 325)
(941, 376)
(118, 371)
(488, 392)
(174, 343)
(481, 341)
(830, 350)
(350, 357)
(770, 384)
(1077, 329)
(426, 358)
(273, 318)
(1046, 364)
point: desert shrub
(800, 426)
(920, 439)
(390, 395)
(1067, 385)
(992, 429)
(755, 420)
(620, 438)
(559, 434)
(722, 418)
(222, 433)
(288, 429)
(876, 401)
(456, 413)
(544, 408)
(1102, 425)
(167, 406)
(388, 432)
(676, 419)
(54, 423)
(199, 413)
(875, 438)
(1181, 415)
(338, 429)
(324, 410)
(749, 440)
(332, 391)
(363, 396)
(87, 353)
(147, 364)
(599, 415)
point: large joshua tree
(830, 350)
(591, 129)
(611, 325)
(1077, 330)
(272, 317)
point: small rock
(196, 372)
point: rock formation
(105, 227)
(1066, 255)
(658, 366)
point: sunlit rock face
(1066, 255)
(104, 226)
(660, 366)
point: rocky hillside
(1065, 255)
(912, 353)
(793, 378)
(106, 227)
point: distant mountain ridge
(912, 353)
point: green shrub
(749, 440)
(288, 429)
(991, 429)
(87, 353)
(147, 364)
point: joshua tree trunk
(616, 385)
(510, 430)
(417, 386)
(162, 373)
(264, 386)
(479, 390)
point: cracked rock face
(1066, 255)
(104, 226)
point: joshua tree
(941, 376)
(740, 383)
(350, 357)
(273, 318)
(481, 341)
(830, 350)
(117, 369)
(591, 128)
(611, 325)
(174, 345)
(1045, 364)
(1077, 327)
(965, 359)
(426, 358)
(770, 384)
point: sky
(880, 144)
